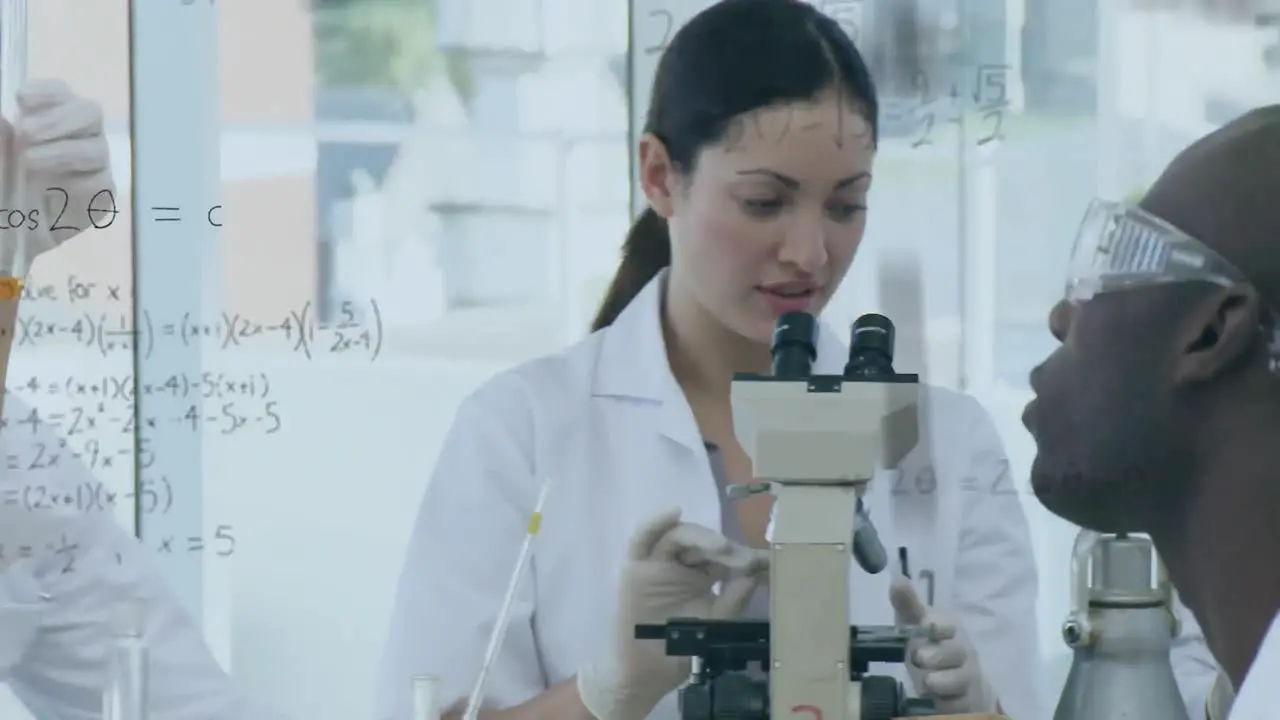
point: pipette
(504, 614)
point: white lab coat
(606, 422)
(62, 573)
(1193, 664)
(1257, 698)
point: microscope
(815, 442)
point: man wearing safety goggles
(1160, 411)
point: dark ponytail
(646, 251)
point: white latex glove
(670, 572)
(944, 665)
(58, 135)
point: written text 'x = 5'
(213, 215)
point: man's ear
(1223, 330)
(657, 175)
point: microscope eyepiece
(794, 347)
(871, 347)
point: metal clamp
(1077, 630)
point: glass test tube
(125, 694)
(426, 702)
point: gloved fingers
(947, 684)
(733, 598)
(700, 546)
(79, 156)
(645, 540)
(76, 118)
(691, 544)
(938, 630)
(908, 608)
(759, 564)
(946, 655)
(42, 93)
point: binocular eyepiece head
(795, 346)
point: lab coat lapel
(633, 372)
(868, 594)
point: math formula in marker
(112, 333)
(65, 554)
(212, 215)
(154, 496)
(227, 417)
(101, 211)
(207, 385)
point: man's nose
(1060, 318)
(805, 248)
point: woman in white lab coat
(66, 571)
(756, 162)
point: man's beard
(1123, 472)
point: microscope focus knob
(738, 696)
(881, 697)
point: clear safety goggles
(1121, 246)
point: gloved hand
(670, 572)
(944, 665)
(59, 138)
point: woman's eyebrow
(794, 184)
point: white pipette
(504, 614)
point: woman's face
(771, 218)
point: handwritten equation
(101, 211)
(110, 333)
(208, 385)
(220, 543)
(89, 451)
(924, 482)
(76, 290)
(989, 98)
(212, 214)
(154, 495)
(227, 418)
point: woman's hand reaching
(671, 571)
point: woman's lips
(785, 302)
